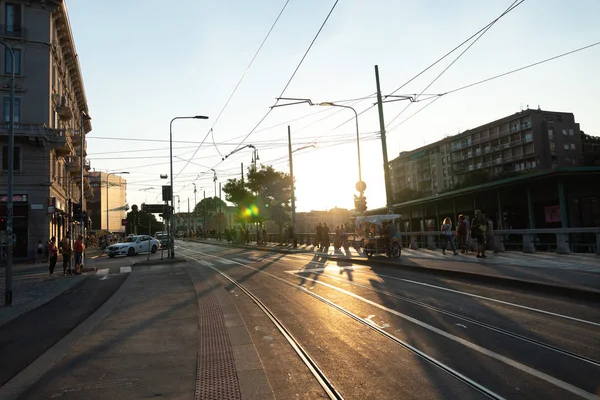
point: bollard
(528, 246)
(430, 242)
(414, 244)
(562, 247)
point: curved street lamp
(172, 224)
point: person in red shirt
(78, 247)
(53, 255)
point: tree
(143, 218)
(212, 204)
(273, 193)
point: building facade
(107, 206)
(51, 120)
(525, 141)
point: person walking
(65, 247)
(318, 235)
(52, 255)
(461, 233)
(78, 247)
(325, 237)
(448, 236)
(478, 231)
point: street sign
(361, 186)
(123, 222)
(154, 208)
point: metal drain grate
(216, 377)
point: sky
(144, 63)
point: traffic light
(77, 210)
(360, 203)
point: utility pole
(188, 218)
(204, 220)
(386, 168)
(220, 210)
(242, 173)
(195, 204)
(292, 179)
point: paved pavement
(168, 332)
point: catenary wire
(514, 5)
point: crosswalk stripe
(226, 261)
(205, 263)
(103, 271)
(125, 270)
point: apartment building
(528, 140)
(426, 170)
(107, 206)
(51, 119)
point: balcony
(75, 138)
(72, 163)
(12, 31)
(60, 142)
(505, 145)
(63, 109)
(516, 142)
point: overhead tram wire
(499, 76)
(293, 74)
(514, 5)
(238, 84)
(423, 71)
(282, 92)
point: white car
(133, 245)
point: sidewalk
(573, 272)
(168, 332)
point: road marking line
(515, 364)
(103, 271)
(242, 260)
(229, 262)
(205, 263)
(497, 301)
(125, 270)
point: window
(572, 146)
(12, 17)
(564, 132)
(566, 146)
(552, 146)
(17, 110)
(551, 134)
(571, 132)
(16, 158)
(8, 61)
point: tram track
(548, 378)
(311, 364)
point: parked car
(163, 238)
(133, 245)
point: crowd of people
(475, 233)
(71, 251)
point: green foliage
(211, 203)
(143, 218)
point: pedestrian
(65, 247)
(325, 237)
(39, 251)
(478, 232)
(78, 247)
(461, 233)
(447, 236)
(318, 234)
(53, 255)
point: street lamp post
(9, 181)
(216, 216)
(107, 186)
(360, 185)
(172, 245)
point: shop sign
(552, 214)
(17, 198)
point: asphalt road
(384, 332)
